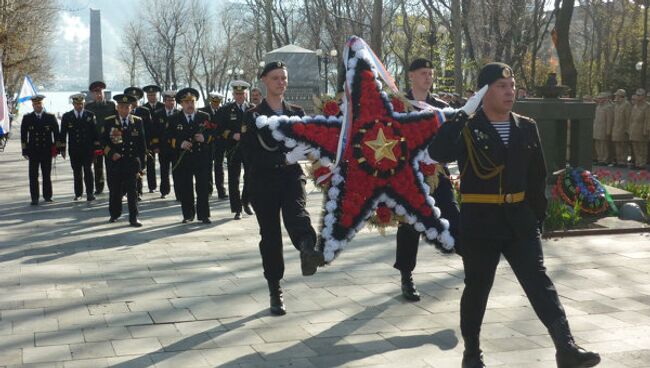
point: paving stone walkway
(76, 291)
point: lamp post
(326, 59)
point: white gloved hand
(299, 152)
(473, 102)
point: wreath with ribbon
(578, 184)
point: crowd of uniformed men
(502, 192)
(622, 129)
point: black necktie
(125, 124)
(189, 119)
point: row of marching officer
(152, 132)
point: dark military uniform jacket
(102, 110)
(83, 138)
(130, 142)
(230, 120)
(179, 130)
(145, 114)
(160, 125)
(39, 136)
(265, 155)
(155, 107)
(435, 102)
(488, 167)
(216, 137)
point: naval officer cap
(215, 96)
(420, 63)
(169, 93)
(187, 94)
(124, 99)
(37, 98)
(136, 92)
(152, 88)
(492, 72)
(78, 98)
(96, 85)
(271, 66)
(239, 85)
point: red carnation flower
(331, 108)
(398, 105)
(428, 169)
(322, 171)
(384, 214)
(299, 128)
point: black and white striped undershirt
(279, 112)
(503, 128)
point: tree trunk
(568, 72)
(457, 32)
(375, 27)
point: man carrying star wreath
(503, 206)
(278, 186)
(420, 73)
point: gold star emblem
(383, 147)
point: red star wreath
(382, 163)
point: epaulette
(109, 117)
(136, 117)
(295, 107)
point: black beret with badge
(492, 72)
(124, 99)
(420, 63)
(136, 92)
(187, 94)
(271, 66)
(152, 88)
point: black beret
(134, 91)
(152, 88)
(420, 63)
(491, 72)
(272, 66)
(96, 84)
(187, 94)
(124, 99)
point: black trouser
(193, 168)
(82, 173)
(480, 259)
(166, 161)
(408, 238)
(44, 161)
(282, 192)
(121, 176)
(151, 171)
(98, 166)
(235, 163)
(218, 155)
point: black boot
(568, 354)
(408, 287)
(472, 356)
(310, 257)
(277, 302)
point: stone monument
(304, 77)
(95, 64)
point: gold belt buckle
(508, 198)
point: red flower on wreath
(398, 105)
(384, 214)
(323, 171)
(331, 108)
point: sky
(70, 43)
